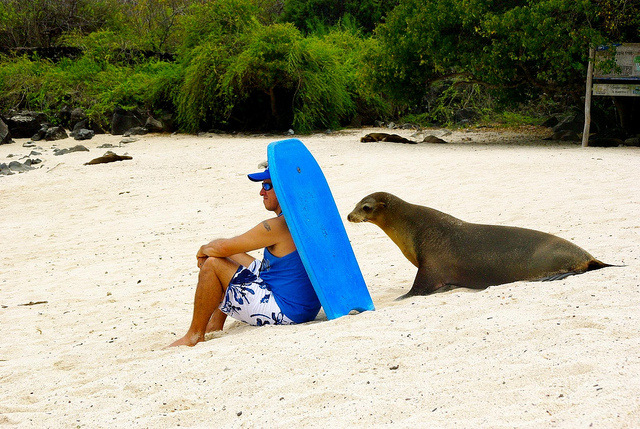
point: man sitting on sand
(276, 290)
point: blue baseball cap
(259, 177)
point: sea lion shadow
(444, 289)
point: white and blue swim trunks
(249, 299)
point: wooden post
(587, 98)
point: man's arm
(265, 234)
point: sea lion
(451, 252)
(384, 137)
(108, 157)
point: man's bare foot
(187, 340)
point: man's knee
(212, 263)
(223, 268)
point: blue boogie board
(316, 228)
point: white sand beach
(105, 256)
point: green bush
(240, 65)
(21, 81)
(520, 50)
(96, 82)
(271, 76)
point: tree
(40, 23)
(155, 22)
(308, 15)
(519, 48)
(266, 76)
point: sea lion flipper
(559, 276)
(424, 283)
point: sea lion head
(371, 208)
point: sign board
(617, 89)
(625, 67)
(612, 71)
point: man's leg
(215, 275)
(216, 323)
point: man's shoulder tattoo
(266, 226)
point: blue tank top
(290, 286)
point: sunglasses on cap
(267, 186)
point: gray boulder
(78, 148)
(42, 132)
(5, 170)
(573, 123)
(153, 125)
(25, 124)
(5, 134)
(17, 167)
(76, 116)
(55, 133)
(83, 134)
(124, 120)
(136, 131)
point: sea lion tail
(596, 265)
(592, 265)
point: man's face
(269, 197)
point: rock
(77, 115)
(633, 141)
(86, 124)
(465, 115)
(42, 132)
(551, 122)
(55, 133)
(124, 120)
(410, 126)
(605, 142)
(136, 131)
(64, 115)
(81, 125)
(29, 162)
(573, 123)
(168, 122)
(5, 170)
(566, 135)
(5, 134)
(84, 134)
(78, 148)
(49, 133)
(25, 124)
(18, 167)
(153, 125)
